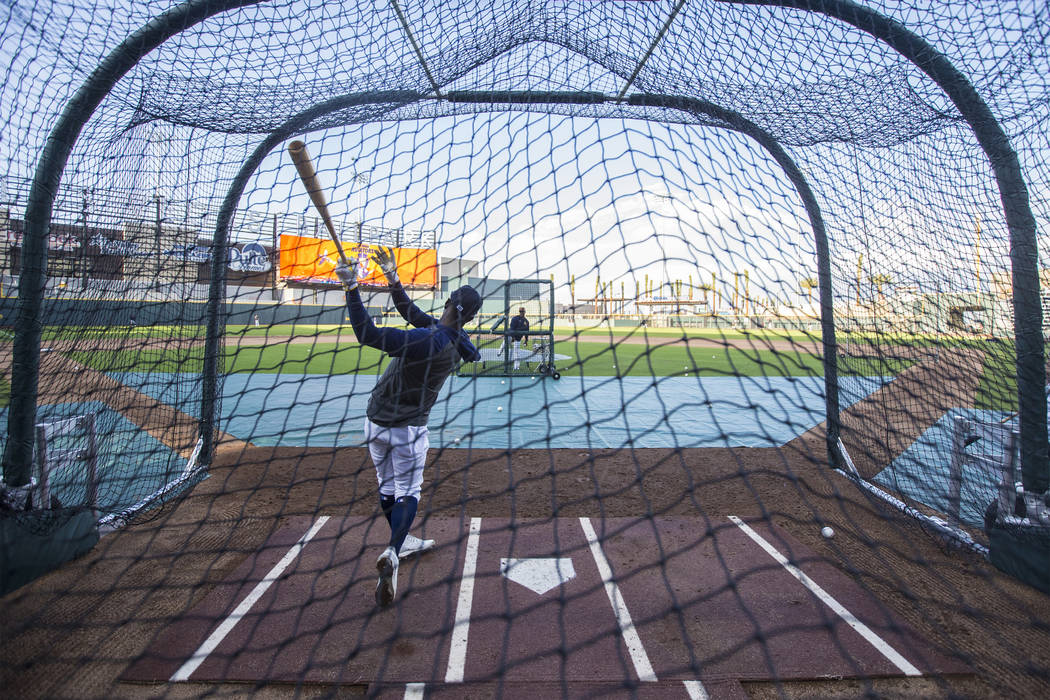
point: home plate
(539, 575)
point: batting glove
(346, 275)
(384, 257)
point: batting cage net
(274, 425)
(518, 338)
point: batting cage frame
(506, 352)
(635, 481)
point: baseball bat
(299, 156)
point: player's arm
(467, 351)
(384, 258)
(408, 310)
(412, 344)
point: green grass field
(588, 358)
(163, 332)
(998, 388)
(594, 352)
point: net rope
(670, 488)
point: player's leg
(386, 504)
(517, 359)
(378, 439)
(381, 442)
(407, 454)
(409, 458)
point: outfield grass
(997, 390)
(160, 332)
(590, 359)
(592, 354)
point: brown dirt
(877, 430)
(73, 632)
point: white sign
(55, 241)
(191, 253)
(112, 246)
(250, 257)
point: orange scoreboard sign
(305, 259)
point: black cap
(467, 300)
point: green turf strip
(997, 390)
(595, 352)
(299, 330)
(591, 358)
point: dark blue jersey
(518, 323)
(422, 359)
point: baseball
(827, 531)
(499, 408)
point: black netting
(777, 425)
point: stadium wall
(110, 312)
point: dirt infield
(878, 429)
(76, 631)
(73, 632)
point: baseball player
(518, 325)
(398, 409)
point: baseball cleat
(414, 545)
(386, 565)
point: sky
(532, 195)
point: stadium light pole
(85, 206)
(157, 199)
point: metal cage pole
(215, 313)
(1024, 252)
(25, 362)
(740, 124)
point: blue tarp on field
(525, 412)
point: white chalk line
(883, 647)
(457, 653)
(224, 628)
(696, 690)
(642, 667)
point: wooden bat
(297, 151)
